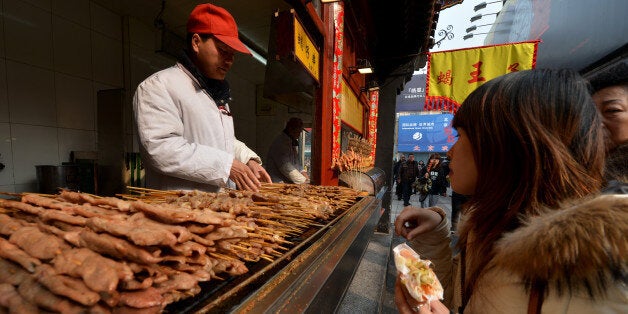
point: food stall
(286, 248)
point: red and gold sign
(452, 75)
(337, 78)
(373, 105)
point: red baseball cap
(210, 19)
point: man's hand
(244, 177)
(259, 171)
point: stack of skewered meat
(75, 252)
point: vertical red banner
(373, 105)
(337, 78)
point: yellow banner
(454, 74)
(305, 50)
(351, 109)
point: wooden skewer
(222, 256)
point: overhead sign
(412, 98)
(426, 133)
(351, 109)
(452, 75)
(305, 50)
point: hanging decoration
(373, 110)
(452, 75)
(337, 78)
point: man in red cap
(183, 118)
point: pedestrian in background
(610, 94)
(438, 175)
(398, 189)
(408, 172)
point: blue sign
(426, 133)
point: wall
(55, 55)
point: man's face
(411, 158)
(612, 102)
(213, 58)
(295, 132)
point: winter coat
(408, 171)
(580, 252)
(186, 141)
(438, 176)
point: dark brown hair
(537, 141)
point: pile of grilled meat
(74, 252)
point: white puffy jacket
(186, 141)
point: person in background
(398, 189)
(408, 172)
(610, 94)
(283, 162)
(537, 235)
(438, 174)
(183, 118)
(416, 184)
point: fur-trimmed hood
(617, 164)
(582, 247)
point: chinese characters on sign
(454, 74)
(425, 133)
(305, 50)
(412, 98)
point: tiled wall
(54, 57)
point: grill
(311, 277)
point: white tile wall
(54, 57)
(33, 145)
(31, 186)
(43, 4)
(142, 35)
(106, 22)
(31, 94)
(243, 109)
(28, 33)
(72, 48)
(144, 63)
(1, 32)
(74, 10)
(97, 87)
(107, 60)
(6, 157)
(7, 188)
(77, 140)
(75, 102)
(4, 101)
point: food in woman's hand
(416, 275)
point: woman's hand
(403, 306)
(413, 221)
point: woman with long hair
(437, 174)
(535, 233)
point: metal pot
(50, 178)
